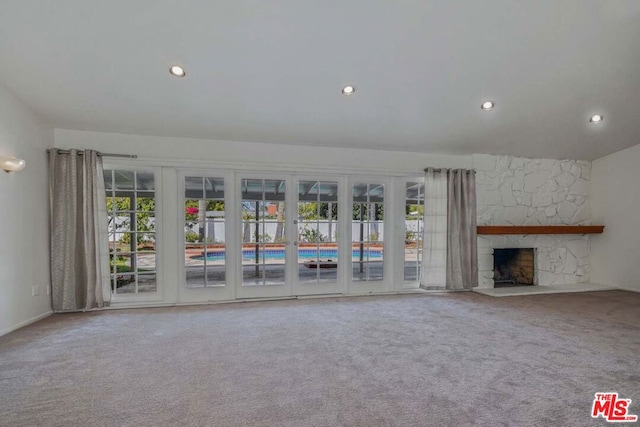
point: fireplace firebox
(513, 267)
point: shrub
(264, 238)
(312, 235)
(410, 236)
(191, 237)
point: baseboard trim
(406, 291)
(25, 323)
(621, 288)
(543, 289)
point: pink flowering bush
(191, 214)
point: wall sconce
(11, 164)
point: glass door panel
(368, 232)
(263, 208)
(413, 230)
(131, 208)
(204, 220)
(204, 232)
(317, 232)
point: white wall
(24, 228)
(255, 155)
(519, 191)
(615, 190)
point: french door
(289, 234)
(206, 209)
(245, 234)
(265, 235)
(319, 257)
(270, 235)
(370, 235)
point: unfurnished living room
(296, 213)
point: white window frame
(212, 293)
(401, 188)
(357, 287)
(145, 297)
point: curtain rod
(445, 169)
(81, 152)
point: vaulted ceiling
(273, 71)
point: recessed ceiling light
(487, 105)
(596, 118)
(348, 90)
(177, 71)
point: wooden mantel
(540, 229)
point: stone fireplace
(513, 267)
(514, 191)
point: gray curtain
(462, 243)
(78, 214)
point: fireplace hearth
(513, 267)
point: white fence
(326, 232)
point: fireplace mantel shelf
(540, 229)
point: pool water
(279, 254)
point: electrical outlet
(35, 291)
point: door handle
(295, 243)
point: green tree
(138, 213)
(414, 211)
(307, 211)
(368, 211)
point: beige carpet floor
(410, 360)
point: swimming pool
(303, 254)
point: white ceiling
(272, 71)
